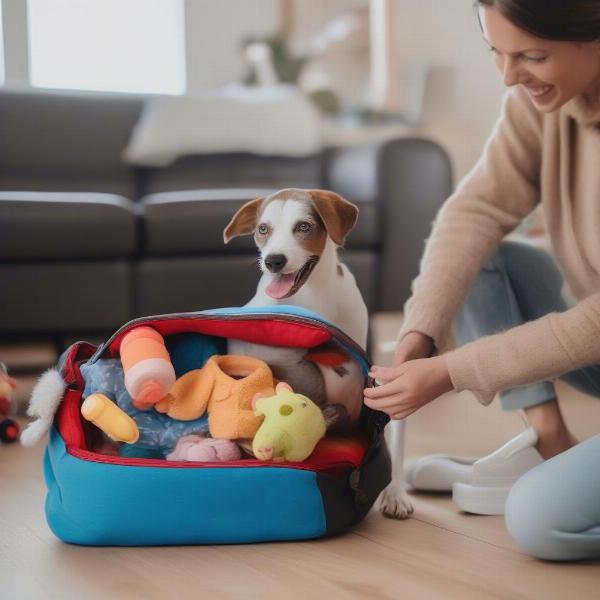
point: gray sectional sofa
(88, 242)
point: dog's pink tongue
(281, 285)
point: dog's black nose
(275, 262)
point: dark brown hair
(567, 20)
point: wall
(465, 90)
(14, 25)
(214, 31)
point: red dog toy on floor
(9, 429)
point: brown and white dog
(298, 233)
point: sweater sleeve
(536, 351)
(490, 202)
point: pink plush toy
(195, 447)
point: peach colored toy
(112, 420)
(149, 374)
(224, 387)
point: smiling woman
(528, 40)
(516, 331)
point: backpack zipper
(336, 333)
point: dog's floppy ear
(244, 220)
(338, 214)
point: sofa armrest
(408, 179)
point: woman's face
(552, 72)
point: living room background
(441, 35)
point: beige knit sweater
(530, 158)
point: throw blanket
(274, 120)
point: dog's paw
(395, 503)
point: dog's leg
(394, 501)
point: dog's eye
(263, 229)
(303, 226)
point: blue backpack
(100, 499)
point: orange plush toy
(224, 387)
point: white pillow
(274, 120)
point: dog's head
(292, 228)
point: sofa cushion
(364, 265)
(27, 182)
(66, 296)
(55, 139)
(166, 285)
(62, 225)
(194, 220)
(234, 170)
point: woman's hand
(408, 386)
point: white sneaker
(438, 472)
(493, 475)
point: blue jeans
(519, 283)
(553, 511)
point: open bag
(96, 498)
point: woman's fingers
(383, 374)
(396, 409)
(387, 373)
(396, 402)
(387, 389)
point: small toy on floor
(292, 427)
(9, 429)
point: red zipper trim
(175, 320)
(166, 464)
(78, 350)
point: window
(108, 45)
(2, 75)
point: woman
(544, 150)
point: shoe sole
(480, 500)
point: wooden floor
(438, 553)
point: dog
(298, 233)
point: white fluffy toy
(45, 399)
